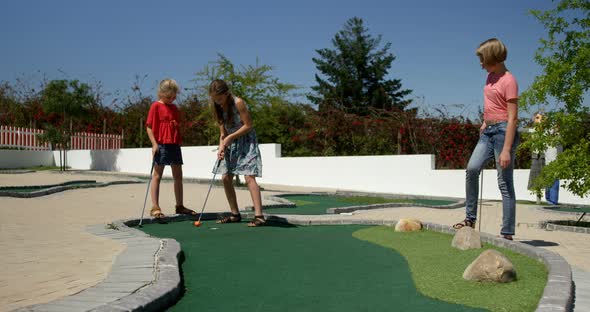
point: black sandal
(463, 224)
(257, 221)
(232, 218)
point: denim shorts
(168, 154)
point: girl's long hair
(218, 87)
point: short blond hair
(168, 87)
(492, 51)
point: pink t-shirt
(498, 90)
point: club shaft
(480, 199)
(210, 186)
(146, 193)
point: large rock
(466, 238)
(490, 266)
(408, 225)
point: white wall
(10, 159)
(397, 174)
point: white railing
(27, 139)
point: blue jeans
(490, 145)
(552, 193)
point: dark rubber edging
(55, 188)
(285, 203)
(15, 171)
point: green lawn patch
(437, 270)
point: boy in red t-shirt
(163, 131)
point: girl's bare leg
(230, 193)
(255, 193)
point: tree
(565, 57)
(265, 95)
(354, 73)
(70, 99)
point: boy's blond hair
(168, 87)
(492, 51)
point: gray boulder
(466, 238)
(490, 266)
(408, 225)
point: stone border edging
(55, 188)
(549, 226)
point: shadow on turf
(278, 222)
(539, 243)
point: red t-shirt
(164, 122)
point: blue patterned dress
(242, 157)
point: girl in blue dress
(238, 149)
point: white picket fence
(26, 139)
(96, 141)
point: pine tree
(354, 73)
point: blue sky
(113, 41)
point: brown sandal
(463, 224)
(181, 209)
(156, 212)
(258, 221)
(232, 218)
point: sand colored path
(46, 252)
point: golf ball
(197, 223)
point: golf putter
(480, 198)
(148, 190)
(217, 163)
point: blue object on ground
(552, 193)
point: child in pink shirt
(498, 136)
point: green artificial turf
(317, 204)
(437, 270)
(231, 267)
(366, 200)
